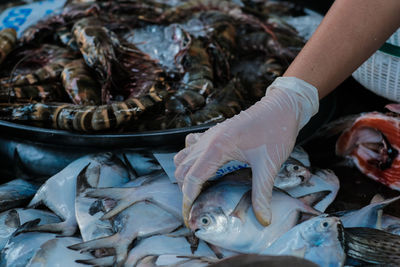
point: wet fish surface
(16, 193)
(372, 245)
(318, 239)
(11, 220)
(59, 192)
(222, 215)
(55, 253)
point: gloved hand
(262, 136)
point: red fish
(373, 142)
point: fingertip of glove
(264, 217)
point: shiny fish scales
(138, 221)
(372, 245)
(16, 193)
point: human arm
(351, 32)
(264, 134)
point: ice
(163, 43)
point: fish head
(322, 230)
(208, 222)
(291, 174)
(373, 144)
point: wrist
(303, 96)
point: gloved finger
(184, 166)
(264, 171)
(262, 194)
(203, 169)
(192, 138)
(180, 156)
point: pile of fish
(122, 209)
(144, 65)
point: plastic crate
(381, 72)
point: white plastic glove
(262, 136)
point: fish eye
(325, 224)
(296, 168)
(205, 220)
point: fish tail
(63, 229)
(107, 192)
(103, 242)
(122, 195)
(312, 199)
(37, 199)
(105, 261)
(121, 255)
(28, 225)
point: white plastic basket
(381, 72)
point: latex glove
(262, 136)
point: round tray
(162, 138)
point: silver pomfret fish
(87, 213)
(55, 253)
(367, 216)
(16, 193)
(12, 219)
(59, 191)
(21, 248)
(140, 220)
(222, 215)
(321, 180)
(318, 239)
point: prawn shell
(8, 39)
(80, 85)
(389, 126)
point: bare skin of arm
(350, 33)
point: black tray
(164, 138)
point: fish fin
(242, 207)
(149, 261)
(81, 181)
(217, 250)
(395, 107)
(314, 198)
(122, 195)
(114, 241)
(193, 241)
(132, 173)
(181, 232)
(26, 226)
(58, 228)
(377, 198)
(105, 261)
(304, 216)
(300, 252)
(103, 242)
(12, 219)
